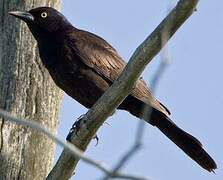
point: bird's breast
(72, 75)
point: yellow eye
(44, 15)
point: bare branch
(105, 106)
(68, 146)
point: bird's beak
(25, 16)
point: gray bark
(26, 90)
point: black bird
(84, 65)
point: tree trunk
(26, 90)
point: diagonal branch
(106, 105)
(165, 60)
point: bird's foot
(96, 138)
(75, 128)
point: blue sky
(191, 87)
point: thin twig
(68, 146)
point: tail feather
(189, 144)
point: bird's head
(43, 20)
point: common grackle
(84, 65)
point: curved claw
(97, 139)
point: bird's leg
(75, 128)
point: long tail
(189, 144)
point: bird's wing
(99, 55)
